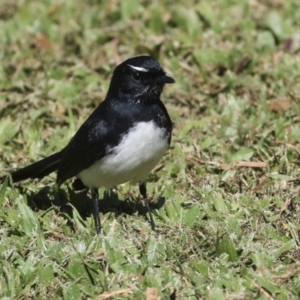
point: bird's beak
(165, 79)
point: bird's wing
(88, 145)
(95, 138)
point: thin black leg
(143, 191)
(95, 197)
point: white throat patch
(140, 69)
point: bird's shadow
(47, 197)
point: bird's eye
(136, 76)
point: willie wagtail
(121, 141)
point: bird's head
(139, 78)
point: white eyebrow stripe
(140, 69)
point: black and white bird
(121, 141)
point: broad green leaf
(275, 23)
(219, 204)
(285, 248)
(191, 216)
(46, 275)
(76, 267)
(173, 210)
(29, 220)
(217, 294)
(72, 292)
(243, 154)
(268, 284)
(7, 132)
(225, 245)
(128, 8)
(3, 188)
(265, 39)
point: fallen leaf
(281, 185)
(279, 104)
(107, 295)
(242, 65)
(59, 109)
(53, 10)
(157, 168)
(43, 42)
(214, 91)
(288, 44)
(115, 42)
(151, 293)
(261, 184)
(58, 235)
(193, 161)
(277, 57)
(249, 164)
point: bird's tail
(38, 169)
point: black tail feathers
(38, 169)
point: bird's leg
(95, 198)
(143, 191)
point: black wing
(87, 146)
(95, 138)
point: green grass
(227, 229)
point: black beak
(165, 79)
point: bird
(122, 140)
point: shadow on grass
(81, 200)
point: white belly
(132, 160)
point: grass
(226, 195)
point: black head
(139, 78)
